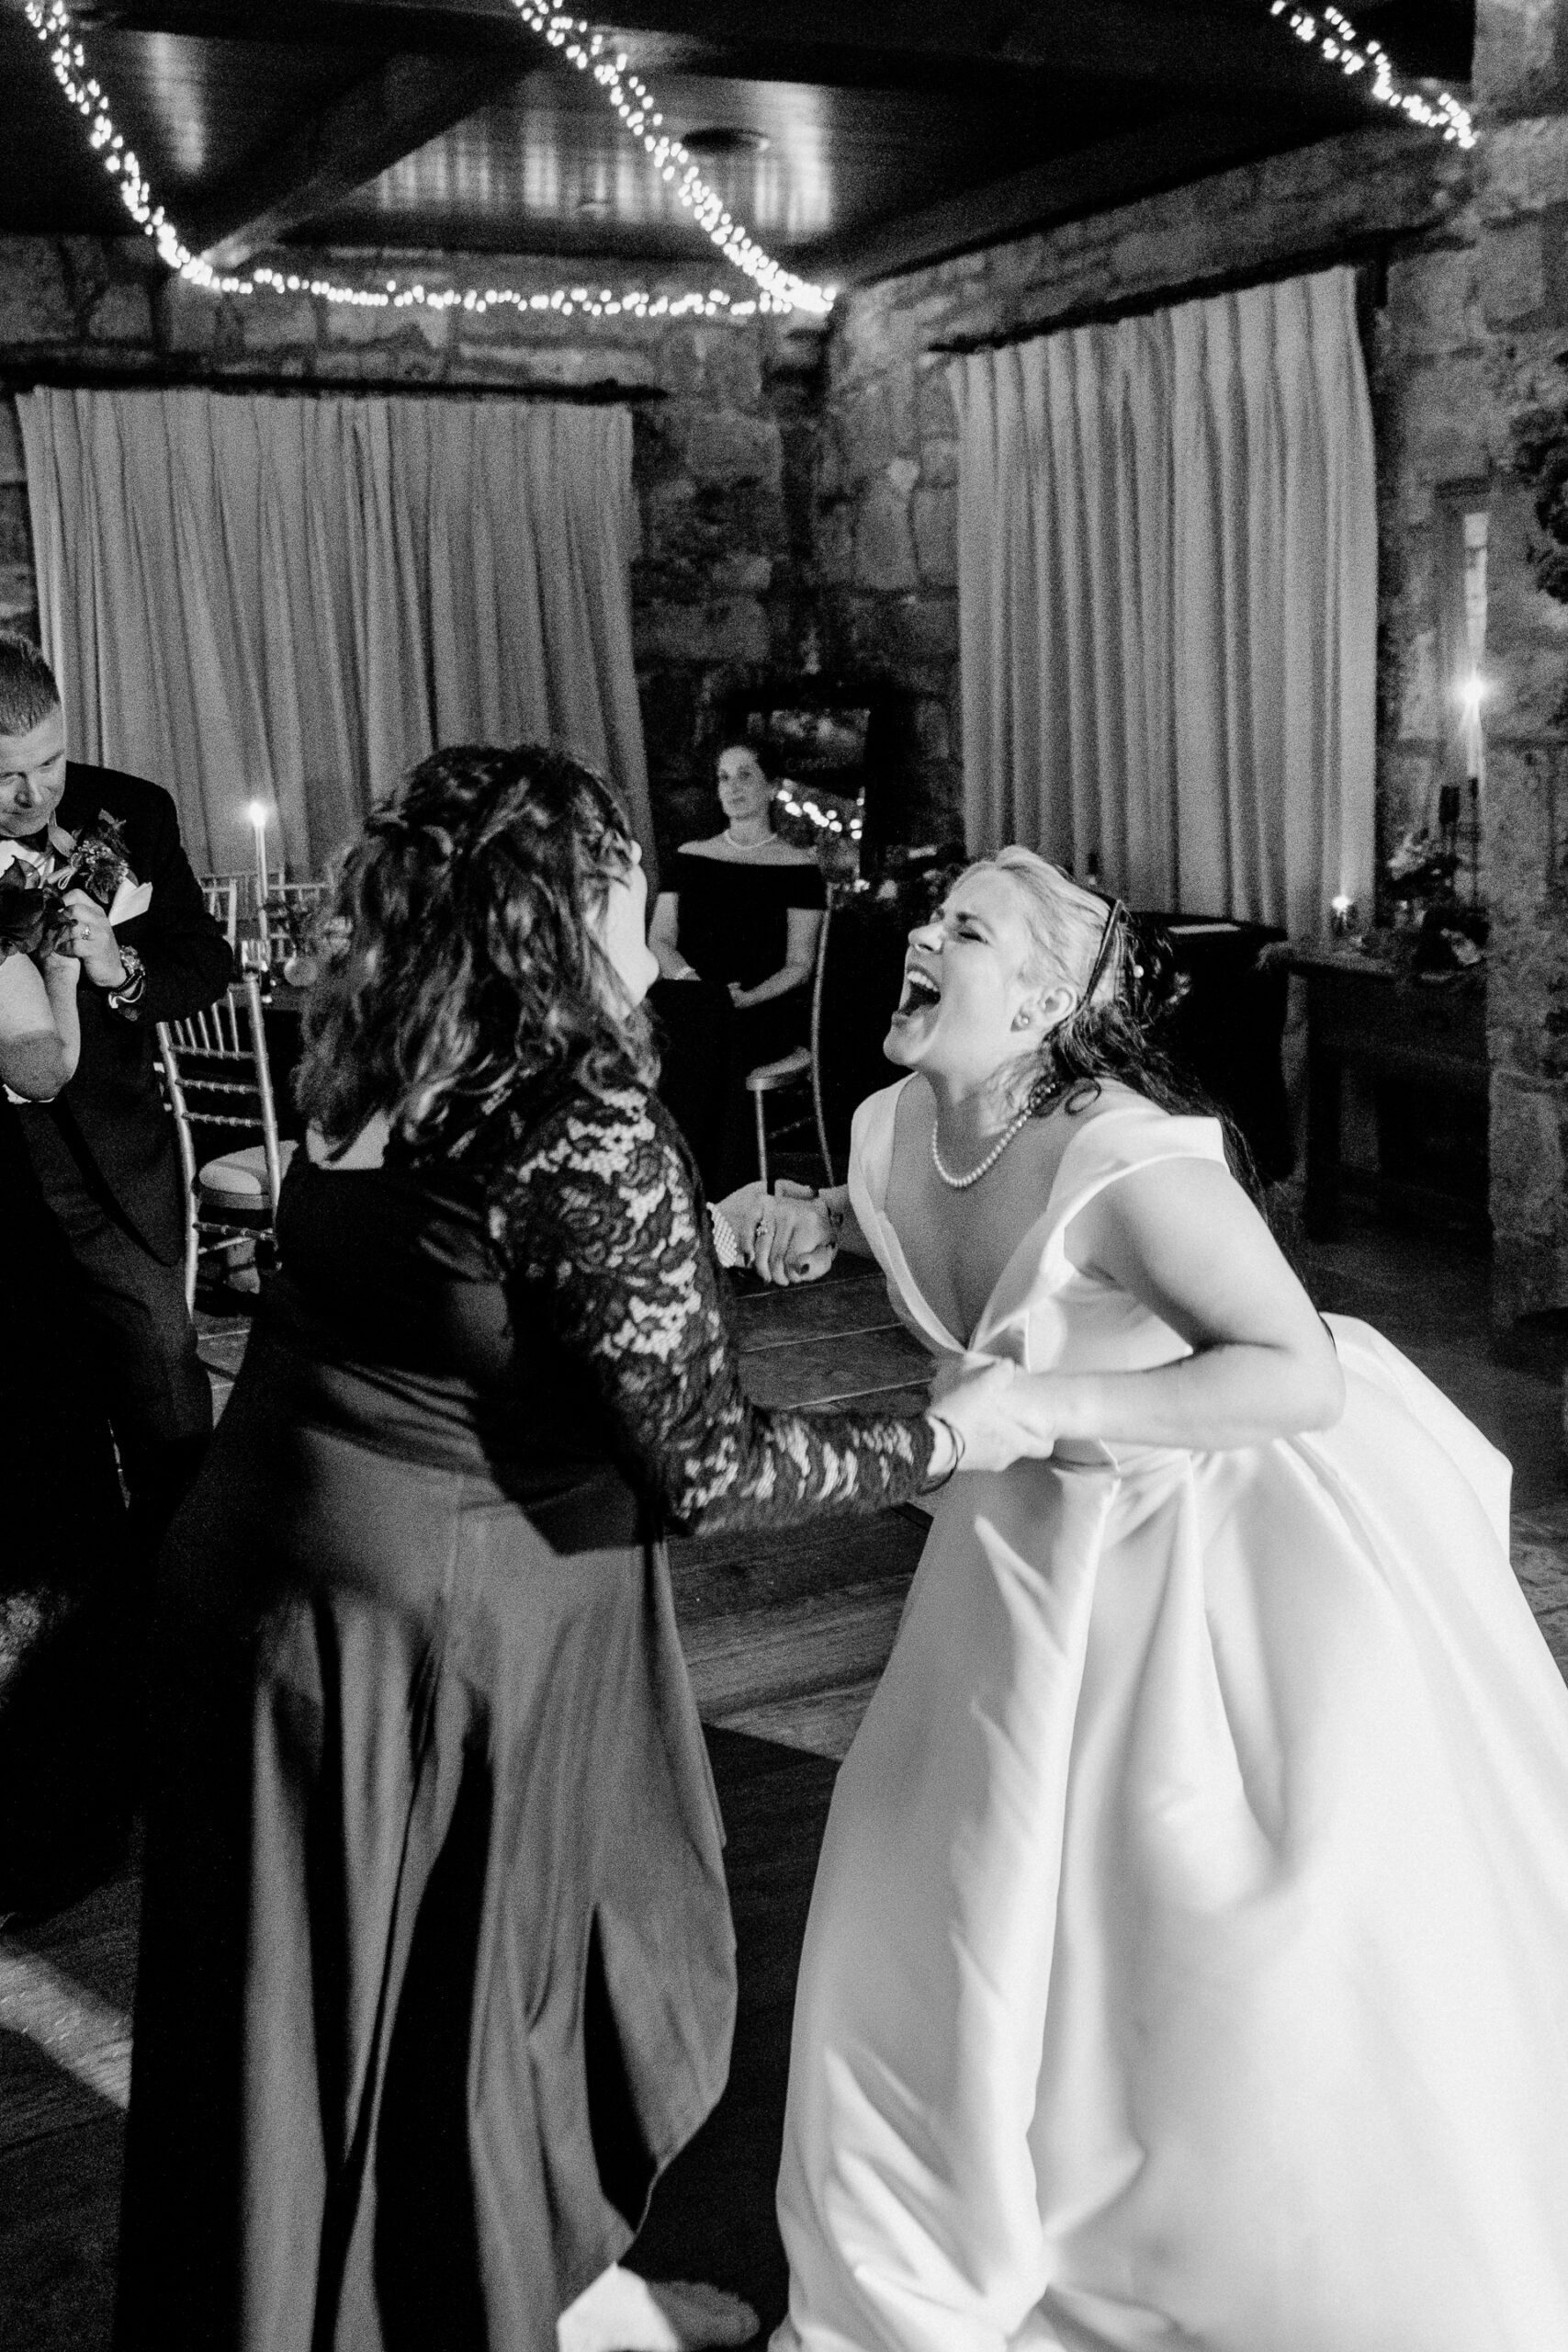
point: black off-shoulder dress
(733, 925)
(437, 1969)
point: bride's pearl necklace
(962, 1183)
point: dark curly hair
(471, 969)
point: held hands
(999, 1415)
(91, 942)
(788, 1236)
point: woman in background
(436, 1967)
(1188, 1960)
(744, 908)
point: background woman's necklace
(758, 840)
(962, 1183)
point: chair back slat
(216, 1074)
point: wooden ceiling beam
(1117, 172)
(405, 102)
(1200, 47)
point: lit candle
(1342, 915)
(257, 815)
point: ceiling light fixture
(778, 291)
(1339, 44)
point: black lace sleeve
(596, 1210)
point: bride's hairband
(1113, 906)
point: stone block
(1518, 59)
(1523, 167)
(1513, 276)
(731, 356)
(741, 574)
(1434, 299)
(668, 633)
(913, 639)
(1454, 429)
(680, 362)
(885, 546)
(16, 528)
(12, 465)
(1529, 688)
(1527, 1165)
(275, 323)
(933, 514)
(939, 462)
(35, 301)
(722, 449)
(1421, 712)
(935, 416)
(931, 729)
(18, 598)
(122, 314)
(732, 629)
(186, 319)
(835, 538)
(880, 426)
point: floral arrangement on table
(33, 914)
(1436, 935)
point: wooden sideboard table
(1364, 1015)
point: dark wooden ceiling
(872, 134)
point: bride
(1188, 1963)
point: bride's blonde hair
(1072, 931)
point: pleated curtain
(291, 599)
(1167, 601)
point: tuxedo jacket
(107, 1129)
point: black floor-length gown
(437, 1968)
(69, 1595)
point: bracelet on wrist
(132, 986)
(940, 1422)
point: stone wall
(724, 436)
(886, 494)
(1522, 271)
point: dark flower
(33, 911)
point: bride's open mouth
(921, 994)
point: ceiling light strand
(1339, 45)
(777, 289)
(591, 50)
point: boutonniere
(96, 861)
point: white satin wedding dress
(1187, 1964)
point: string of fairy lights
(777, 289)
(1339, 45)
(591, 50)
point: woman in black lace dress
(437, 1968)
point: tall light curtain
(289, 599)
(1167, 601)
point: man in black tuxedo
(104, 1148)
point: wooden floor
(785, 1637)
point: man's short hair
(28, 690)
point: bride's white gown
(1188, 1963)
